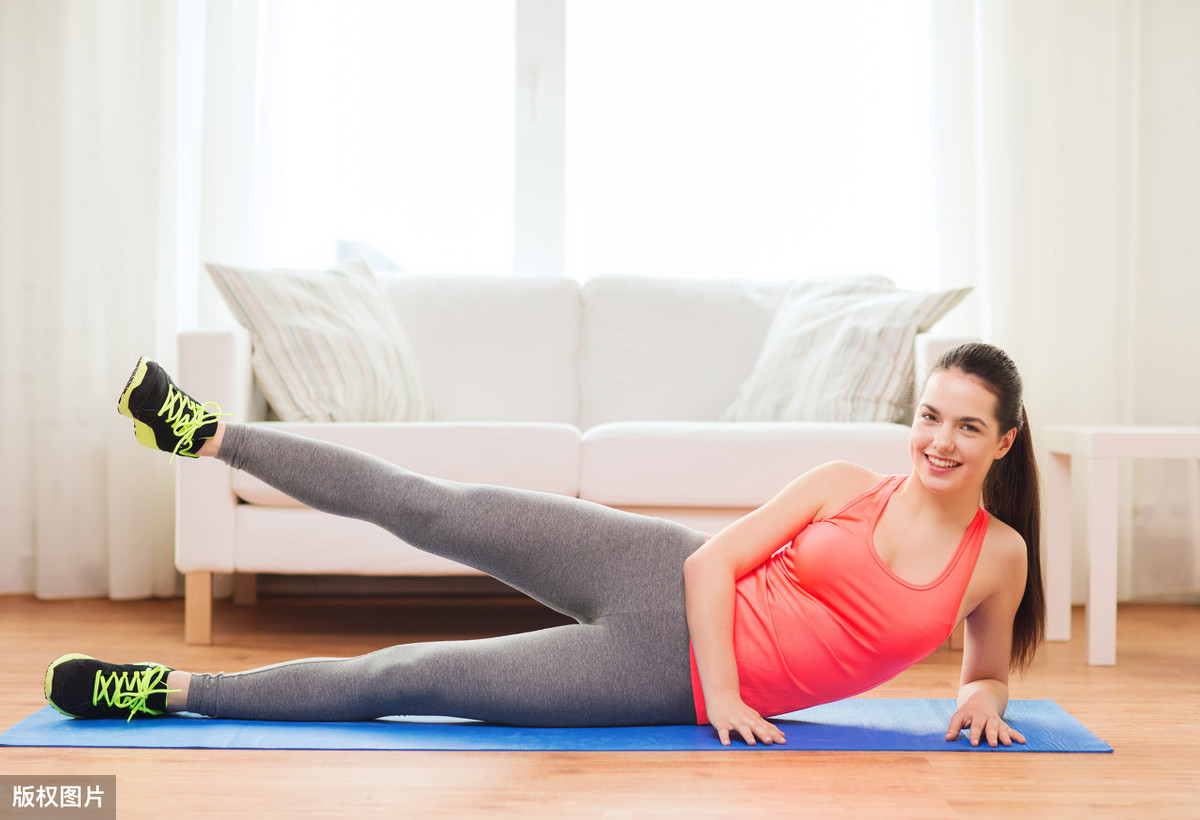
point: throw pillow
(841, 350)
(326, 344)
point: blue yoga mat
(858, 724)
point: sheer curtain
(87, 250)
(102, 106)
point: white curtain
(1068, 187)
(102, 106)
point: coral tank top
(824, 618)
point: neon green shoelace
(130, 690)
(186, 416)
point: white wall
(1166, 274)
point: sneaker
(164, 417)
(83, 687)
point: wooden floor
(1147, 708)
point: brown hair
(1011, 492)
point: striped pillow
(327, 346)
(840, 349)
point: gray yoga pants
(620, 576)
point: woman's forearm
(709, 584)
(709, 587)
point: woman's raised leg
(582, 559)
(579, 558)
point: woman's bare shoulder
(841, 482)
(1004, 545)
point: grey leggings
(620, 576)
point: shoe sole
(143, 432)
(50, 678)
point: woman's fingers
(984, 727)
(957, 724)
(752, 732)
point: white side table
(1097, 451)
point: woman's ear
(1006, 443)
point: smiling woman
(973, 437)
(874, 573)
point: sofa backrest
(661, 349)
(493, 348)
(618, 348)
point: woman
(672, 626)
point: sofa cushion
(325, 345)
(541, 457)
(841, 349)
(698, 464)
(493, 348)
(669, 349)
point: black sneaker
(164, 417)
(83, 687)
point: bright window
(761, 138)
(386, 124)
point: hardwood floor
(1147, 708)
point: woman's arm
(983, 686)
(711, 572)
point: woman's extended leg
(624, 672)
(582, 559)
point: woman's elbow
(697, 567)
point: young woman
(839, 583)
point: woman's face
(955, 437)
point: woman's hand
(980, 716)
(730, 714)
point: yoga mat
(858, 724)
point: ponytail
(1011, 490)
(1011, 494)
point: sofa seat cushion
(720, 464)
(542, 457)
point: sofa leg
(245, 588)
(197, 608)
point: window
(764, 138)
(749, 137)
(386, 126)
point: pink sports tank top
(824, 618)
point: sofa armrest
(214, 365)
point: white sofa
(611, 391)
